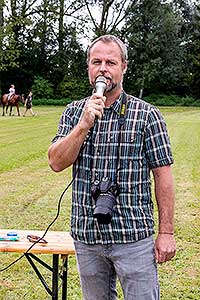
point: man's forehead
(101, 49)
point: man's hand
(165, 247)
(93, 109)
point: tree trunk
(141, 92)
(61, 32)
(141, 88)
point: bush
(73, 88)
(44, 101)
(171, 100)
(155, 99)
(41, 88)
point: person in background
(114, 142)
(28, 104)
(11, 92)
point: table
(60, 244)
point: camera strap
(122, 118)
(123, 110)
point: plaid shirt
(144, 144)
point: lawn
(29, 194)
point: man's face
(105, 59)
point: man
(104, 139)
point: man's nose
(103, 67)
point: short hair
(108, 38)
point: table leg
(64, 277)
(55, 277)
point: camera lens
(104, 208)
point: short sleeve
(69, 118)
(157, 142)
(64, 126)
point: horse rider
(11, 92)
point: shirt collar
(117, 104)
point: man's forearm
(64, 152)
(164, 192)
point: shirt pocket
(131, 146)
(132, 164)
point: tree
(46, 38)
(111, 15)
(41, 88)
(184, 11)
(16, 19)
(69, 56)
(8, 51)
(155, 51)
(195, 55)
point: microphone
(100, 85)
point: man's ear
(124, 67)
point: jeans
(133, 263)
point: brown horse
(14, 101)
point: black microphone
(100, 85)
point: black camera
(104, 192)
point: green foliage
(47, 39)
(42, 88)
(73, 88)
(58, 102)
(156, 54)
(195, 55)
(9, 52)
(155, 99)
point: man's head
(107, 56)
(107, 39)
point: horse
(14, 101)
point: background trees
(195, 54)
(157, 51)
(46, 41)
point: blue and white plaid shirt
(144, 145)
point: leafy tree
(155, 51)
(41, 88)
(74, 88)
(195, 55)
(39, 32)
(8, 51)
(184, 11)
(46, 39)
(71, 64)
(111, 15)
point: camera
(104, 192)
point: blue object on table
(10, 236)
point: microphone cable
(99, 81)
(58, 208)
(48, 227)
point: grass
(29, 193)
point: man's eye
(111, 63)
(96, 62)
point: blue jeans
(133, 263)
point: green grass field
(29, 193)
